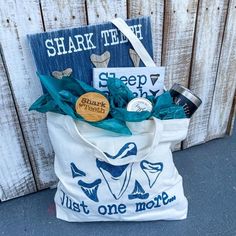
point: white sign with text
(142, 81)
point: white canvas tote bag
(104, 176)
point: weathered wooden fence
(194, 39)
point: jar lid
(187, 93)
(139, 104)
(92, 106)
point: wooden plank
(16, 177)
(102, 10)
(208, 40)
(232, 116)
(59, 14)
(19, 18)
(226, 82)
(179, 23)
(154, 9)
(179, 26)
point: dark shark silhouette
(138, 192)
(128, 149)
(90, 189)
(116, 177)
(151, 170)
(75, 171)
(154, 93)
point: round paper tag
(92, 106)
(139, 104)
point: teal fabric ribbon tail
(53, 86)
(120, 95)
(130, 116)
(68, 97)
(165, 109)
(44, 104)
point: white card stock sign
(142, 81)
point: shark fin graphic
(154, 93)
(128, 149)
(138, 192)
(90, 189)
(116, 177)
(152, 171)
(75, 171)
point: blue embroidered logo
(128, 149)
(116, 177)
(90, 189)
(152, 171)
(138, 192)
(75, 171)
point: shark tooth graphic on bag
(138, 192)
(128, 149)
(75, 171)
(90, 189)
(152, 171)
(116, 177)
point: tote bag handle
(136, 43)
